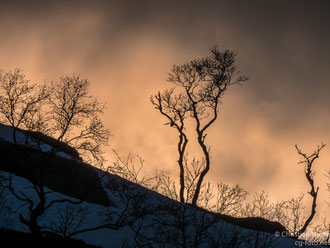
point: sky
(127, 48)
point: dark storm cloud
(127, 47)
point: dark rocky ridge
(61, 146)
(252, 223)
(69, 177)
(255, 223)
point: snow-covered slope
(140, 215)
(6, 134)
(95, 215)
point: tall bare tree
(308, 161)
(200, 85)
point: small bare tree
(293, 217)
(229, 200)
(321, 232)
(260, 206)
(21, 102)
(75, 118)
(200, 85)
(69, 218)
(127, 168)
(184, 225)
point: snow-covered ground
(107, 238)
(66, 218)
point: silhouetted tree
(184, 225)
(200, 85)
(36, 209)
(66, 111)
(321, 232)
(127, 168)
(308, 161)
(75, 118)
(289, 213)
(21, 102)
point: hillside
(63, 174)
(114, 212)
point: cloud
(126, 49)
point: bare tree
(200, 85)
(35, 208)
(75, 118)
(321, 232)
(260, 206)
(293, 217)
(173, 224)
(229, 200)
(175, 109)
(65, 111)
(183, 225)
(21, 102)
(127, 168)
(69, 218)
(232, 237)
(165, 185)
(308, 161)
(290, 212)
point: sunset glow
(126, 51)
